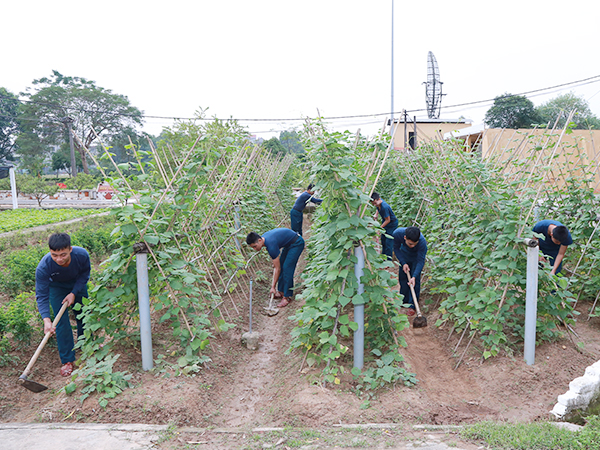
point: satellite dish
(433, 88)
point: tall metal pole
(141, 262)
(531, 293)
(13, 187)
(359, 312)
(392, 111)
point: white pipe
(250, 306)
(238, 226)
(531, 300)
(359, 312)
(13, 187)
(141, 262)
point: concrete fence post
(141, 262)
(359, 312)
(13, 188)
(531, 300)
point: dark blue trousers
(387, 244)
(296, 221)
(288, 260)
(64, 333)
(405, 288)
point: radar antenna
(433, 88)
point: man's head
(376, 199)
(255, 241)
(559, 234)
(411, 236)
(310, 189)
(60, 248)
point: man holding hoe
(61, 277)
(296, 214)
(388, 222)
(410, 248)
(291, 245)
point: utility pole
(68, 121)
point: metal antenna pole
(392, 111)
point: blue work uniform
(291, 245)
(52, 284)
(387, 244)
(296, 214)
(547, 247)
(415, 258)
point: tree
(274, 146)
(511, 111)
(9, 126)
(37, 187)
(560, 108)
(291, 141)
(32, 151)
(92, 108)
(61, 158)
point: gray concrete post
(531, 300)
(359, 312)
(13, 187)
(250, 314)
(141, 262)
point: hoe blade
(32, 385)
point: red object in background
(61, 185)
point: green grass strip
(19, 219)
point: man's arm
(82, 278)
(42, 296)
(276, 273)
(421, 254)
(387, 220)
(559, 258)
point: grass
(534, 436)
(19, 219)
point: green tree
(511, 111)
(32, 151)
(9, 126)
(61, 158)
(560, 108)
(92, 109)
(274, 146)
(37, 187)
(291, 141)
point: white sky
(274, 59)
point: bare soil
(265, 388)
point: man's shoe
(67, 369)
(284, 302)
(278, 294)
(411, 312)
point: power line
(584, 81)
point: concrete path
(80, 436)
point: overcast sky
(278, 59)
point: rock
(250, 340)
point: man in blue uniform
(410, 248)
(61, 277)
(284, 247)
(554, 243)
(388, 222)
(296, 212)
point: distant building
(412, 133)
(575, 151)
